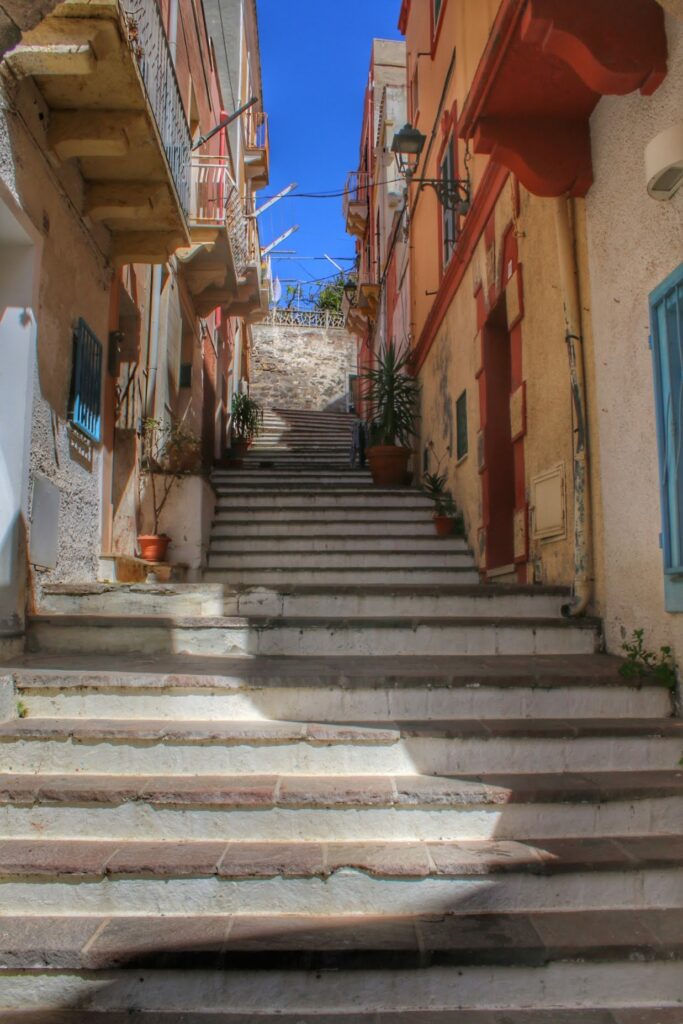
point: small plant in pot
(392, 395)
(447, 519)
(168, 452)
(247, 418)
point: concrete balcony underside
(121, 119)
(211, 272)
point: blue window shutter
(86, 382)
(666, 314)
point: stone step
(350, 601)
(271, 808)
(310, 637)
(368, 520)
(621, 992)
(234, 541)
(290, 481)
(532, 875)
(318, 527)
(178, 687)
(372, 499)
(322, 943)
(144, 747)
(434, 554)
(295, 575)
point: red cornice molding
(502, 31)
(485, 199)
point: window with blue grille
(86, 382)
(666, 315)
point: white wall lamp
(664, 163)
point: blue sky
(315, 56)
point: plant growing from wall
(642, 662)
(247, 418)
(168, 452)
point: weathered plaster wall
(454, 360)
(74, 282)
(301, 368)
(634, 243)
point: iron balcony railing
(215, 199)
(321, 318)
(356, 191)
(149, 44)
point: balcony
(105, 71)
(257, 149)
(222, 266)
(356, 203)
(360, 313)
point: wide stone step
(141, 747)
(532, 875)
(310, 637)
(300, 517)
(621, 992)
(432, 555)
(230, 541)
(318, 527)
(336, 943)
(295, 575)
(271, 808)
(333, 689)
(372, 499)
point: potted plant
(247, 417)
(446, 516)
(168, 452)
(392, 395)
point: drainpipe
(153, 350)
(566, 248)
(173, 29)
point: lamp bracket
(452, 193)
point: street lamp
(452, 193)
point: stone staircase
(338, 781)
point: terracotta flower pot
(443, 525)
(153, 546)
(239, 448)
(388, 464)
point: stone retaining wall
(301, 367)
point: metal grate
(305, 318)
(86, 382)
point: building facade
(518, 294)
(131, 271)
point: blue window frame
(666, 317)
(86, 382)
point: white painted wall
(634, 244)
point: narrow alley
(340, 615)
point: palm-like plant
(392, 396)
(247, 417)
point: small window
(437, 7)
(461, 425)
(185, 380)
(86, 382)
(449, 218)
(666, 315)
(415, 95)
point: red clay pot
(388, 464)
(444, 525)
(239, 449)
(153, 546)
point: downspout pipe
(153, 350)
(173, 30)
(583, 540)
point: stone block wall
(301, 367)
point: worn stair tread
(32, 859)
(319, 942)
(93, 669)
(654, 1013)
(377, 733)
(310, 622)
(483, 590)
(349, 791)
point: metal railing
(321, 318)
(147, 38)
(256, 124)
(217, 200)
(357, 189)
